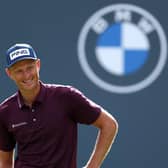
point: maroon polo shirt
(46, 134)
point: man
(42, 119)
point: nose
(26, 74)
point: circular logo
(122, 48)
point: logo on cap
(18, 53)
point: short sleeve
(7, 142)
(81, 108)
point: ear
(8, 73)
(38, 63)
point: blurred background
(54, 29)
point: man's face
(25, 74)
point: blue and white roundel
(122, 49)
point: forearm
(6, 159)
(103, 144)
(5, 165)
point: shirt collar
(39, 99)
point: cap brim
(20, 59)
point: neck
(30, 95)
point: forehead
(22, 63)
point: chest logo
(19, 124)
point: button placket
(34, 119)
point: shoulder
(62, 89)
(4, 105)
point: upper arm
(80, 108)
(6, 159)
(106, 120)
(7, 139)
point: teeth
(28, 81)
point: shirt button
(34, 119)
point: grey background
(52, 28)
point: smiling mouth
(27, 82)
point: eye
(31, 67)
(19, 71)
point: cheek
(16, 77)
(11, 76)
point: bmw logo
(122, 48)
